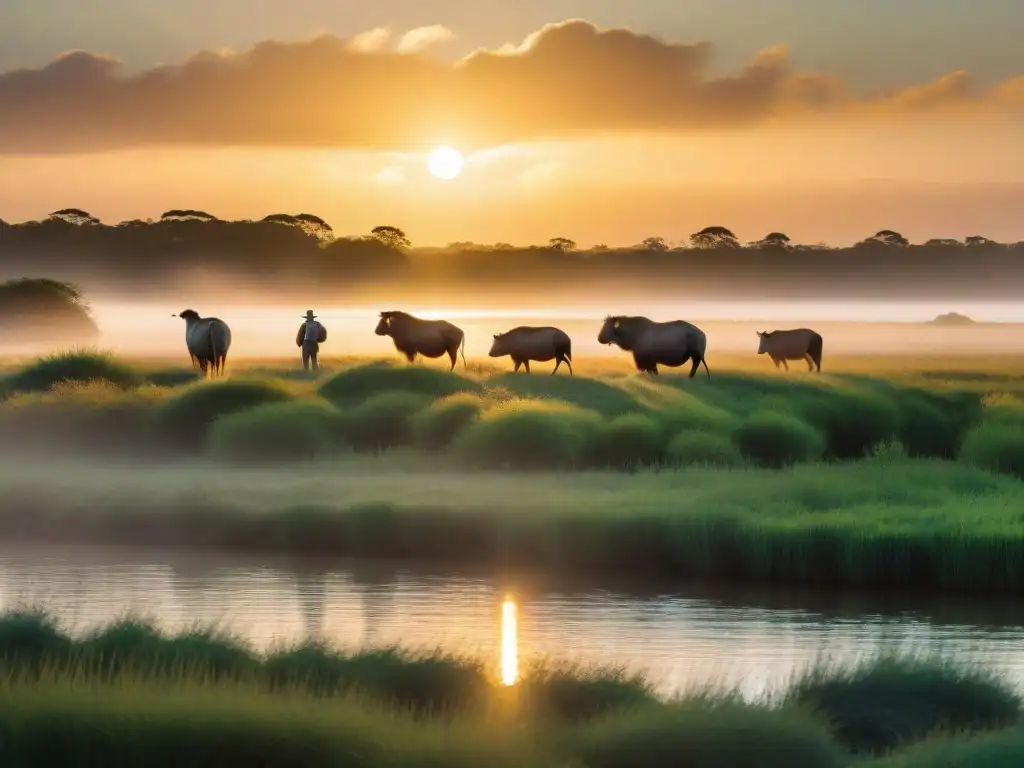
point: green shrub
(174, 377)
(437, 427)
(997, 447)
(184, 420)
(525, 434)
(852, 422)
(79, 367)
(29, 639)
(363, 381)
(878, 706)
(632, 439)
(934, 424)
(294, 431)
(776, 439)
(92, 419)
(695, 448)
(698, 734)
(383, 421)
(1003, 749)
(586, 393)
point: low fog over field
(862, 329)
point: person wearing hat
(309, 338)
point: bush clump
(437, 427)
(876, 707)
(184, 420)
(632, 439)
(530, 434)
(382, 421)
(852, 422)
(728, 735)
(997, 447)
(698, 448)
(363, 381)
(775, 440)
(75, 367)
(292, 431)
(80, 419)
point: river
(683, 636)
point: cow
(208, 340)
(671, 343)
(430, 338)
(795, 344)
(527, 343)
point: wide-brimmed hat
(310, 315)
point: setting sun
(445, 163)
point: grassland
(904, 476)
(127, 695)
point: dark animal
(796, 344)
(208, 340)
(653, 344)
(528, 343)
(430, 338)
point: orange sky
(594, 134)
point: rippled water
(684, 637)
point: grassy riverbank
(125, 694)
(886, 521)
(900, 479)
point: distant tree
(392, 237)
(315, 227)
(504, 247)
(656, 244)
(187, 215)
(312, 225)
(888, 238)
(74, 216)
(975, 241)
(772, 240)
(40, 310)
(943, 242)
(600, 248)
(563, 244)
(714, 237)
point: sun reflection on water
(509, 643)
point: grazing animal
(653, 344)
(430, 338)
(796, 344)
(208, 340)
(527, 343)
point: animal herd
(671, 344)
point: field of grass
(128, 695)
(904, 476)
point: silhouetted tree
(392, 237)
(504, 247)
(887, 237)
(563, 244)
(600, 247)
(772, 240)
(942, 242)
(656, 244)
(975, 241)
(39, 310)
(187, 215)
(714, 237)
(75, 216)
(312, 225)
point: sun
(445, 163)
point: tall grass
(125, 694)
(886, 521)
(75, 367)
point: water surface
(683, 636)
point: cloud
(421, 38)
(566, 80)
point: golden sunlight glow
(445, 163)
(509, 643)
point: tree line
(302, 252)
